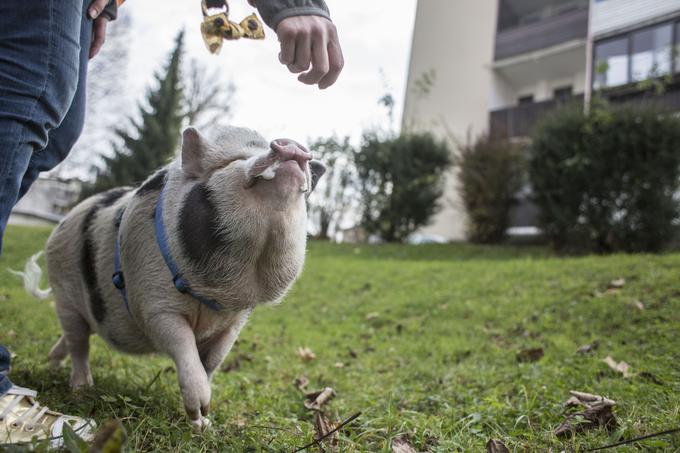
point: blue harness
(178, 281)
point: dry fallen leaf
(372, 316)
(301, 382)
(621, 367)
(323, 426)
(590, 347)
(530, 355)
(110, 438)
(306, 354)
(315, 400)
(618, 283)
(496, 446)
(240, 421)
(400, 444)
(598, 413)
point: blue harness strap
(161, 238)
(180, 283)
(118, 278)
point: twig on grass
(338, 428)
(153, 381)
(637, 439)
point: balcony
(520, 121)
(547, 32)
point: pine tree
(152, 140)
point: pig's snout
(285, 150)
(286, 156)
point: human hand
(98, 27)
(311, 41)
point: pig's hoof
(201, 423)
(79, 383)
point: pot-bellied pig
(177, 265)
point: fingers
(336, 62)
(98, 36)
(311, 42)
(287, 55)
(320, 64)
(96, 8)
(303, 54)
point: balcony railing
(520, 121)
(543, 34)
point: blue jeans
(5, 383)
(44, 47)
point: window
(563, 95)
(525, 100)
(637, 56)
(676, 51)
(517, 13)
(611, 63)
(651, 52)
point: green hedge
(607, 181)
(401, 182)
(491, 173)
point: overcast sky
(375, 36)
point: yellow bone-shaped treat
(232, 31)
(217, 27)
(211, 29)
(252, 27)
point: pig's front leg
(216, 349)
(173, 335)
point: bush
(401, 182)
(491, 174)
(607, 181)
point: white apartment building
(47, 202)
(497, 67)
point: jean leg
(62, 139)
(39, 63)
(5, 358)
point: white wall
(455, 38)
(609, 16)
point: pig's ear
(193, 148)
(318, 169)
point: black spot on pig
(199, 226)
(89, 252)
(153, 184)
(109, 197)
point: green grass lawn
(427, 337)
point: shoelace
(21, 393)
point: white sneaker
(22, 419)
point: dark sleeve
(111, 10)
(274, 11)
